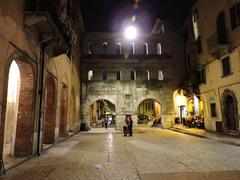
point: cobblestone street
(148, 155)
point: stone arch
(229, 111)
(24, 124)
(92, 99)
(149, 109)
(138, 102)
(99, 109)
(50, 110)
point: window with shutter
(226, 66)
(234, 18)
(213, 110)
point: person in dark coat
(125, 127)
(106, 122)
(129, 125)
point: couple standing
(127, 125)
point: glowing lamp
(130, 33)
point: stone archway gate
(126, 96)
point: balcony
(44, 17)
(217, 50)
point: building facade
(212, 48)
(39, 74)
(126, 73)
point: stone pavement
(205, 134)
(151, 154)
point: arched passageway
(50, 111)
(100, 110)
(18, 131)
(63, 112)
(149, 112)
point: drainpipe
(43, 46)
(40, 115)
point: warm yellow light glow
(180, 100)
(13, 82)
(130, 33)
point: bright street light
(130, 32)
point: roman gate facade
(127, 73)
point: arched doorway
(101, 109)
(63, 112)
(18, 131)
(230, 111)
(50, 111)
(149, 113)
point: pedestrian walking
(129, 125)
(106, 122)
(125, 127)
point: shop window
(226, 66)
(213, 110)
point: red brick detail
(50, 113)
(63, 114)
(24, 132)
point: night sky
(112, 15)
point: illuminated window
(119, 48)
(145, 49)
(148, 75)
(104, 48)
(160, 75)
(195, 24)
(90, 75)
(159, 49)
